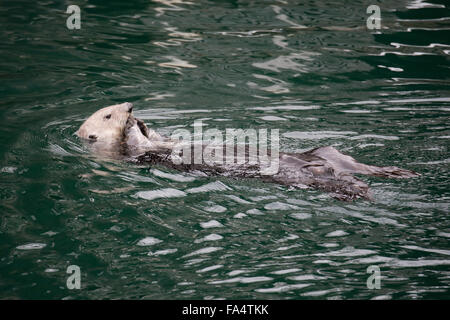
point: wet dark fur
(322, 168)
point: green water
(310, 69)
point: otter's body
(113, 131)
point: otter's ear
(92, 137)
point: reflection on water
(171, 5)
(311, 70)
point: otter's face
(106, 125)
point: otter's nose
(129, 106)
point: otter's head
(107, 125)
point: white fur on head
(107, 124)
(114, 130)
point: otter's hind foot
(393, 172)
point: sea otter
(114, 132)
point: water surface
(310, 69)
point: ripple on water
(301, 215)
(289, 107)
(176, 63)
(439, 251)
(31, 246)
(242, 280)
(370, 218)
(273, 118)
(285, 288)
(162, 193)
(8, 169)
(318, 293)
(278, 87)
(288, 238)
(212, 186)
(288, 62)
(347, 252)
(209, 237)
(397, 263)
(374, 136)
(280, 206)
(285, 271)
(237, 199)
(443, 234)
(215, 208)
(255, 212)
(317, 135)
(172, 176)
(211, 224)
(162, 252)
(211, 268)
(148, 241)
(203, 251)
(329, 245)
(337, 233)
(306, 277)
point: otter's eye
(108, 116)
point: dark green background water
(310, 69)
